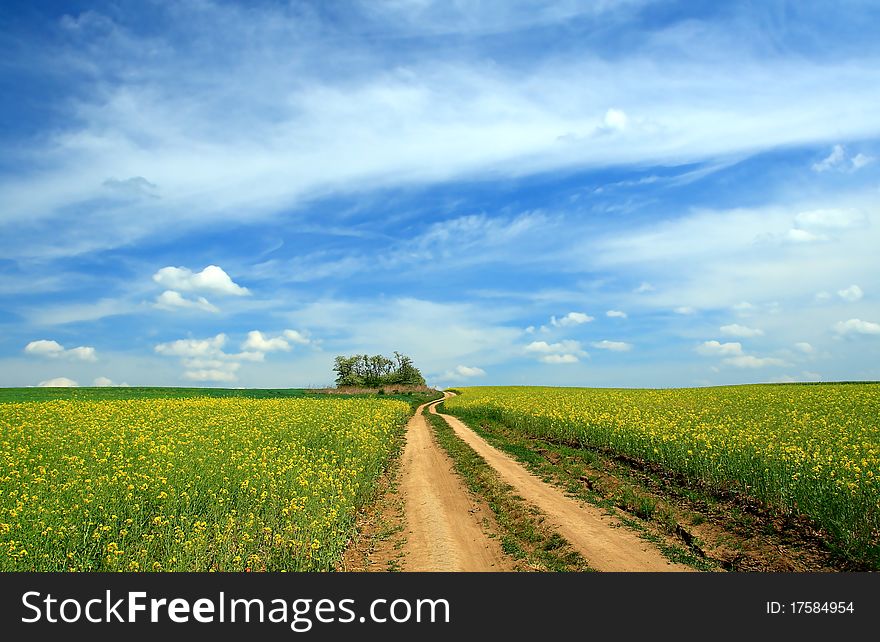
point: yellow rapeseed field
(222, 484)
(809, 449)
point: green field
(208, 481)
(8, 395)
(807, 450)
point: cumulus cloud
(839, 160)
(570, 319)
(462, 372)
(259, 342)
(212, 280)
(717, 349)
(803, 346)
(615, 120)
(45, 348)
(684, 309)
(559, 358)
(566, 351)
(561, 346)
(54, 350)
(470, 371)
(737, 330)
(834, 159)
(206, 360)
(225, 374)
(797, 235)
(614, 346)
(644, 287)
(852, 294)
(104, 382)
(193, 347)
(58, 382)
(857, 326)
(860, 160)
(749, 361)
(173, 300)
(616, 314)
(295, 336)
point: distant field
(812, 450)
(211, 480)
(96, 394)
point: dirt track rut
(602, 540)
(443, 531)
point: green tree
(375, 371)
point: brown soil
(601, 539)
(426, 520)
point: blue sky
(602, 193)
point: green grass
(565, 467)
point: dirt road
(444, 530)
(603, 541)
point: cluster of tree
(372, 372)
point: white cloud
(831, 218)
(803, 346)
(860, 160)
(748, 361)
(822, 296)
(614, 346)
(743, 307)
(717, 349)
(839, 160)
(615, 120)
(297, 337)
(258, 342)
(58, 382)
(684, 309)
(616, 314)
(852, 294)
(737, 330)
(53, 349)
(571, 319)
(173, 300)
(212, 280)
(644, 287)
(559, 358)
(211, 375)
(82, 353)
(857, 326)
(796, 235)
(559, 347)
(833, 160)
(193, 347)
(470, 371)
(44, 347)
(462, 372)
(443, 114)
(104, 382)
(205, 359)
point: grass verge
(524, 535)
(688, 524)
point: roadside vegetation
(803, 458)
